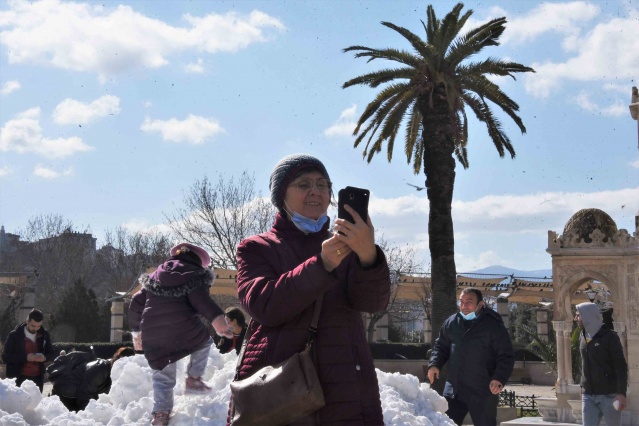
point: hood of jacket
(590, 317)
(174, 278)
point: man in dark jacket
(604, 371)
(26, 350)
(480, 357)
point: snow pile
(405, 400)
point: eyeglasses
(322, 185)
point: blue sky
(110, 110)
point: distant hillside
(503, 270)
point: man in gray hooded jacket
(604, 371)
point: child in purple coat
(165, 323)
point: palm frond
(450, 29)
(379, 119)
(461, 137)
(496, 132)
(393, 123)
(381, 110)
(433, 24)
(492, 66)
(389, 54)
(418, 44)
(376, 78)
(412, 132)
(388, 93)
(419, 156)
(493, 93)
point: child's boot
(161, 418)
(195, 386)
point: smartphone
(356, 198)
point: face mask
(469, 317)
(306, 224)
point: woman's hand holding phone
(359, 236)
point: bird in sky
(419, 188)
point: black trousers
(483, 411)
(39, 381)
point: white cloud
(49, 173)
(90, 37)
(23, 134)
(194, 129)
(71, 111)
(230, 32)
(500, 207)
(137, 225)
(195, 68)
(345, 124)
(497, 227)
(5, 171)
(635, 164)
(620, 88)
(606, 53)
(400, 206)
(563, 18)
(617, 109)
(10, 87)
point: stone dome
(585, 221)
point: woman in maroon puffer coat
(281, 273)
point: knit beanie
(284, 172)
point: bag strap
(312, 329)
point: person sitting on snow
(78, 377)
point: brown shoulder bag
(281, 393)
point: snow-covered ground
(405, 400)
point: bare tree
(60, 253)
(126, 254)
(425, 295)
(401, 261)
(219, 216)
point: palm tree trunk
(439, 168)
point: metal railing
(525, 405)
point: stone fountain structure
(592, 249)
(592, 252)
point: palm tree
(429, 94)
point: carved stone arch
(563, 310)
